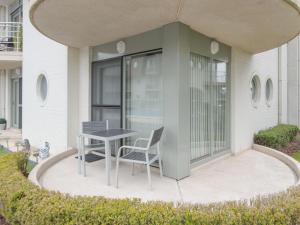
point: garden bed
(22, 202)
(283, 137)
(293, 148)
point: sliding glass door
(209, 97)
(106, 91)
(220, 106)
(143, 92)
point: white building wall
(44, 121)
(247, 119)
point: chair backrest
(94, 126)
(156, 136)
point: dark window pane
(106, 83)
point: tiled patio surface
(236, 177)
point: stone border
(289, 161)
(38, 170)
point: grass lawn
(3, 152)
(30, 165)
(297, 156)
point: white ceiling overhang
(253, 26)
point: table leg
(79, 154)
(107, 161)
(83, 157)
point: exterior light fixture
(121, 47)
(214, 47)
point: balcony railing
(11, 37)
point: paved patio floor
(236, 177)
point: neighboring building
(211, 74)
(11, 17)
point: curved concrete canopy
(254, 26)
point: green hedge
(21, 202)
(276, 137)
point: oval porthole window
(255, 89)
(42, 87)
(269, 91)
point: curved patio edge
(38, 170)
(289, 161)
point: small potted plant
(2, 124)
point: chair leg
(160, 167)
(148, 171)
(117, 172)
(149, 176)
(132, 171)
(159, 161)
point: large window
(143, 92)
(209, 95)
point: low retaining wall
(289, 161)
(38, 170)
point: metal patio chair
(95, 148)
(141, 155)
(94, 126)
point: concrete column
(73, 96)
(175, 70)
(84, 88)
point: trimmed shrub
(21, 202)
(276, 137)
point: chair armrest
(130, 147)
(133, 147)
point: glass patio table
(106, 136)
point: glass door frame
(125, 57)
(213, 154)
(108, 106)
(123, 74)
